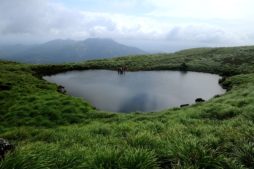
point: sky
(152, 25)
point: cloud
(203, 34)
(203, 9)
(157, 20)
(42, 18)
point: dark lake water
(144, 91)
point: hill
(62, 51)
(54, 130)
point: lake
(144, 91)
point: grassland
(56, 131)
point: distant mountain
(62, 51)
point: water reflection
(138, 91)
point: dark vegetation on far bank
(53, 130)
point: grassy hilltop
(56, 131)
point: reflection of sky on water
(138, 91)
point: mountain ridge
(64, 51)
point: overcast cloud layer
(164, 24)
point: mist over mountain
(62, 51)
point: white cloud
(203, 9)
(52, 20)
(205, 34)
(167, 20)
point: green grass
(56, 131)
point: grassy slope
(53, 130)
